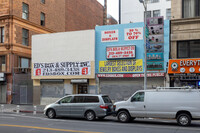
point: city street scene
(100, 66)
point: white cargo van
(182, 104)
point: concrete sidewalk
(22, 108)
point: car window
(66, 100)
(138, 97)
(91, 99)
(78, 99)
(106, 99)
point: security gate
(2, 93)
(23, 94)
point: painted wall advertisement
(133, 34)
(62, 68)
(118, 66)
(155, 43)
(120, 52)
(109, 36)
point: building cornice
(185, 20)
(26, 22)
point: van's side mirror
(58, 102)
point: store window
(2, 63)
(25, 11)
(1, 34)
(168, 13)
(24, 62)
(25, 37)
(42, 19)
(188, 49)
(191, 8)
(156, 13)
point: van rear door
(137, 105)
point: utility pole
(144, 2)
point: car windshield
(106, 99)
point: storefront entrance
(82, 88)
(2, 93)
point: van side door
(137, 105)
(77, 107)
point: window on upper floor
(148, 14)
(2, 63)
(42, 1)
(1, 34)
(168, 13)
(153, 1)
(188, 49)
(25, 11)
(156, 13)
(24, 62)
(191, 8)
(42, 19)
(25, 37)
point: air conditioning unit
(23, 70)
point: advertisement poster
(62, 68)
(109, 36)
(155, 47)
(155, 56)
(155, 65)
(133, 34)
(120, 52)
(118, 66)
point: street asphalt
(27, 122)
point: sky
(112, 7)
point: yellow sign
(117, 66)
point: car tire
(184, 119)
(90, 115)
(51, 113)
(123, 116)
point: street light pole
(144, 2)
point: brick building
(19, 20)
(185, 43)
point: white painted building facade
(132, 11)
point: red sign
(120, 52)
(85, 71)
(38, 72)
(130, 75)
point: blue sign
(155, 65)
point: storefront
(63, 64)
(184, 72)
(3, 88)
(120, 57)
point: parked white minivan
(181, 104)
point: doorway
(82, 89)
(3, 93)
